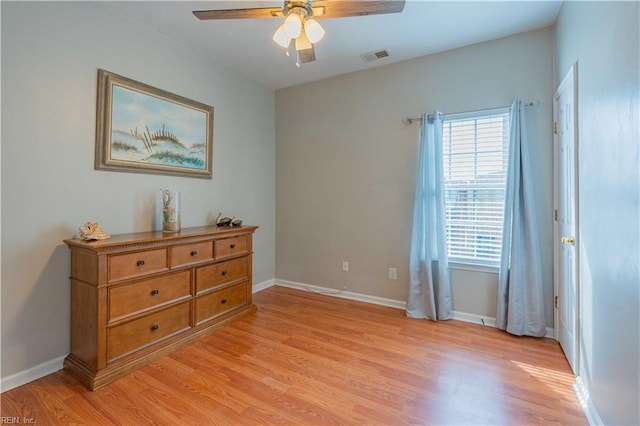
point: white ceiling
(424, 27)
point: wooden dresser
(137, 297)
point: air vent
(374, 56)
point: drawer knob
(194, 253)
(140, 263)
(225, 273)
(232, 246)
(154, 327)
(155, 292)
(223, 301)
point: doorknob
(568, 240)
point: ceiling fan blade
(344, 8)
(253, 13)
(321, 9)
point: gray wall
(346, 164)
(50, 56)
(603, 38)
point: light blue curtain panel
(520, 299)
(430, 285)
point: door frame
(570, 78)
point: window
(475, 151)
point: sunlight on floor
(557, 381)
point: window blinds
(475, 151)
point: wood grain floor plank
(310, 359)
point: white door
(566, 218)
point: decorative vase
(170, 211)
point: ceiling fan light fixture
(313, 30)
(304, 49)
(302, 42)
(293, 25)
(281, 38)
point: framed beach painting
(143, 129)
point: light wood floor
(308, 359)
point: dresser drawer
(220, 273)
(188, 254)
(135, 297)
(133, 335)
(230, 246)
(130, 265)
(220, 301)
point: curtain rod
(410, 120)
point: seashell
(91, 231)
(236, 222)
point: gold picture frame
(143, 129)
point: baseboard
(398, 304)
(31, 374)
(475, 319)
(263, 285)
(588, 408)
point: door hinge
(555, 301)
(555, 127)
(555, 214)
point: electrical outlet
(345, 266)
(393, 273)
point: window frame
(464, 263)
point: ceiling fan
(300, 22)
